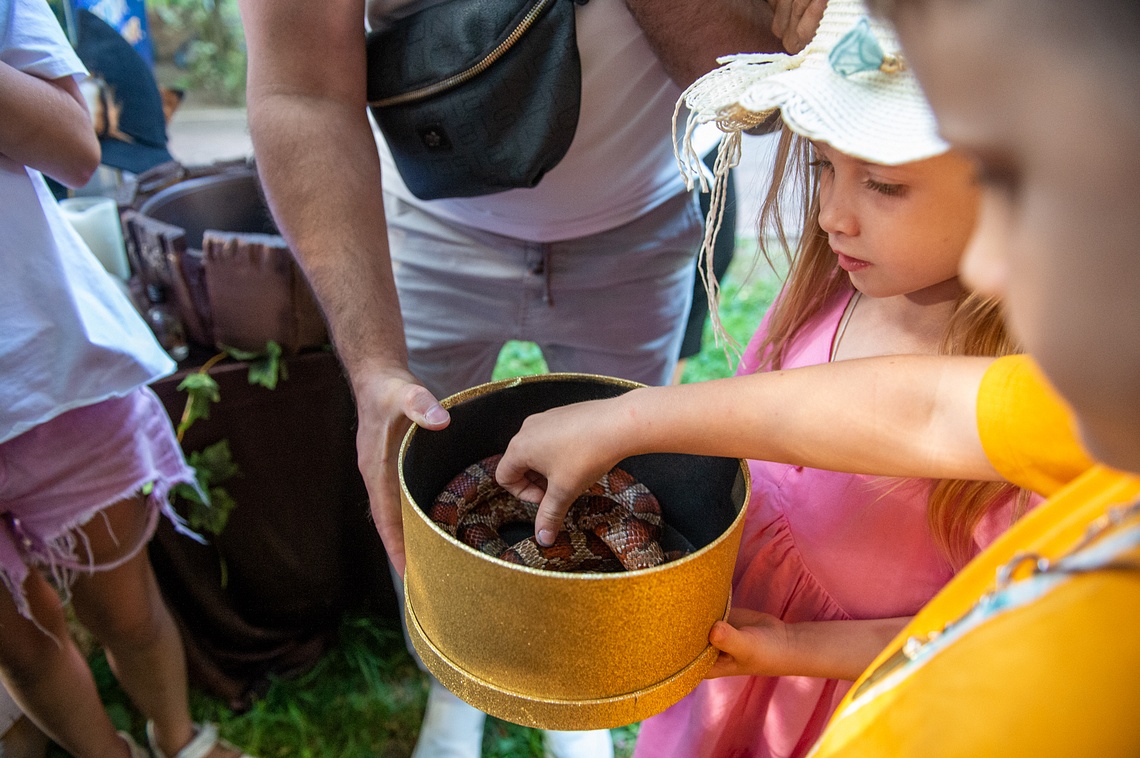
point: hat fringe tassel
(693, 170)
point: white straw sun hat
(849, 87)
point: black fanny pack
(476, 96)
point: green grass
(365, 698)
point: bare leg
(49, 679)
(125, 611)
(23, 740)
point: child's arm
(46, 126)
(890, 416)
(758, 644)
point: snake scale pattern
(614, 526)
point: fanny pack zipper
(463, 76)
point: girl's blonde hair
(976, 327)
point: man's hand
(556, 456)
(306, 81)
(387, 405)
(795, 21)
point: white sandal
(137, 750)
(205, 739)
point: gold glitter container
(565, 650)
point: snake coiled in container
(614, 526)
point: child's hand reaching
(750, 643)
(556, 456)
(759, 644)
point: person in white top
(87, 452)
(594, 264)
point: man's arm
(689, 35)
(318, 163)
(46, 126)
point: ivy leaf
(201, 390)
(241, 355)
(209, 505)
(192, 495)
(214, 518)
(267, 369)
(214, 464)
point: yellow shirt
(1051, 665)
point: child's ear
(171, 99)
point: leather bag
(476, 96)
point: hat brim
(135, 157)
(884, 120)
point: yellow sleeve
(1028, 432)
(1042, 673)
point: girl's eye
(821, 164)
(890, 190)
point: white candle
(97, 221)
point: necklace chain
(843, 321)
(1039, 565)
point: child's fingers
(724, 665)
(551, 513)
(729, 641)
(750, 639)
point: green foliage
(364, 698)
(209, 505)
(519, 359)
(265, 368)
(748, 289)
(206, 41)
(201, 391)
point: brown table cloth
(299, 549)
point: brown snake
(614, 526)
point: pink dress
(817, 545)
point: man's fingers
(781, 16)
(805, 20)
(423, 409)
(392, 535)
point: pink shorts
(59, 475)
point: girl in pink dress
(887, 218)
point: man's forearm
(325, 194)
(318, 163)
(689, 35)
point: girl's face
(897, 230)
(1045, 96)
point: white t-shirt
(69, 337)
(620, 164)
